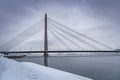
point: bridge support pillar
(46, 38)
(45, 43)
(46, 54)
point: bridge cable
(58, 38)
(66, 37)
(78, 38)
(24, 35)
(82, 35)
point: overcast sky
(98, 19)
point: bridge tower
(45, 38)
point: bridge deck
(63, 51)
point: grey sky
(99, 19)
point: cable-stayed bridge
(66, 36)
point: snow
(13, 70)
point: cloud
(98, 19)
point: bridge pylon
(45, 38)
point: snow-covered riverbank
(13, 70)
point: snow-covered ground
(13, 70)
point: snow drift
(13, 70)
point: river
(97, 68)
